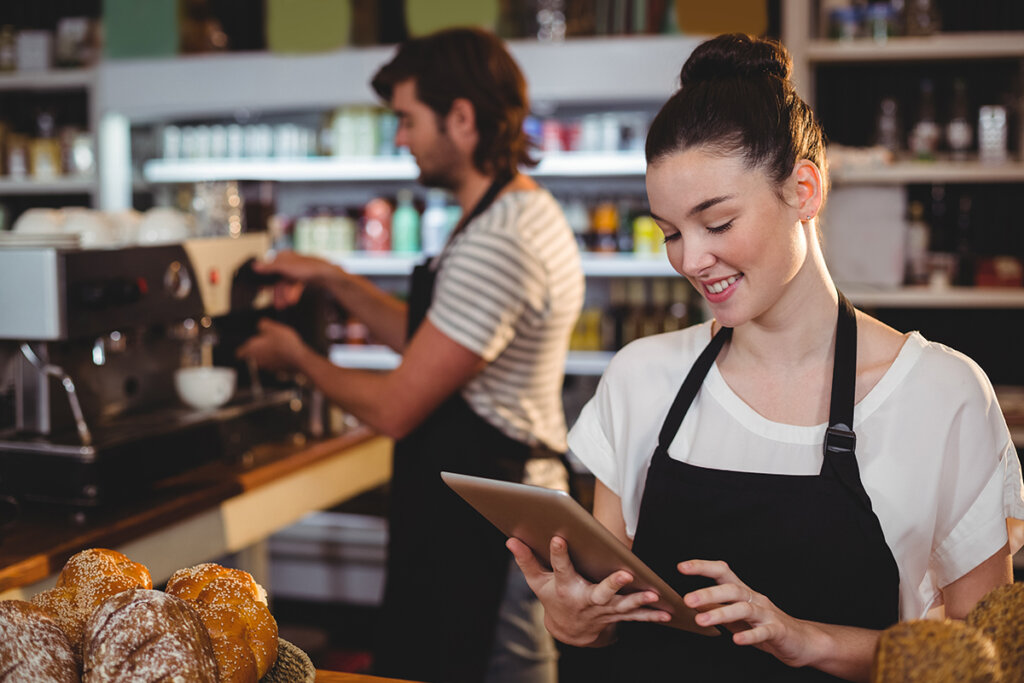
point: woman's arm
(961, 595)
(843, 651)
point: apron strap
(840, 440)
(691, 385)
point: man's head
(466, 81)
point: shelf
(594, 265)
(580, 70)
(69, 185)
(927, 297)
(382, 358)
(361, 169)
(52, 79)
(947, 46)
(930, 172)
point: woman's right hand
(576, 611)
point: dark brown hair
(735, 96)
(472, 64)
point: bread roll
(87, 579)
(234, 609)
(33, 648)
(147, 635)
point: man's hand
(276, 347)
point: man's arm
(396, 402)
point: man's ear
(461, 120)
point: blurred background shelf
(374, 357)
(60, 185)
(942, 46)
(365, 169)
(594, 265)
(49, 80)
(907, 172)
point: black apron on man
(447, 565)
(811, 544)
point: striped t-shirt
(509, 288)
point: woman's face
(727, 231)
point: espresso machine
(90, 340)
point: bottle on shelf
(8, 48)
(613, 323)
(918, 238)
(634, 326)
(959, 131)
(889, 133)
(434, 223)
(924, 136)
(678, 314)
(376, 226)
(965, 258)
(605, 225)
(646, 236)
(921, 18)
(578, 218)
(656, 308)
(405, 225)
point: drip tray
(130, 454)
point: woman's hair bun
(736, 55)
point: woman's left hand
(752, 617)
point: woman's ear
(805, 190)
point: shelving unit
(58, 185)
(50, 81)
(594, 265)
(372, 169)
(949, 46)
(372, 357)
(907, 172)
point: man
(483, 340)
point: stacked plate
(55, 240)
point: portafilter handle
(84, 435)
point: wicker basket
(292, 666)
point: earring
(807, 218)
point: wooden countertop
(217, 509)
(339, 677)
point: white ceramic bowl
(164, 225)
(205, 387)
(94, 227)
(40, 222)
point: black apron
(811, 544)
(447, 565)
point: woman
(816, 475)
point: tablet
(534, 514)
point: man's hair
(474, 65)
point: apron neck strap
(691, 385)
(839, 438)
(495, 188)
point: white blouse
(934, 451)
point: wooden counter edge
(39, 567)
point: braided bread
(32, 646)
(87, 579)
(926, 651)
(234, 609)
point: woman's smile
(719, 290)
